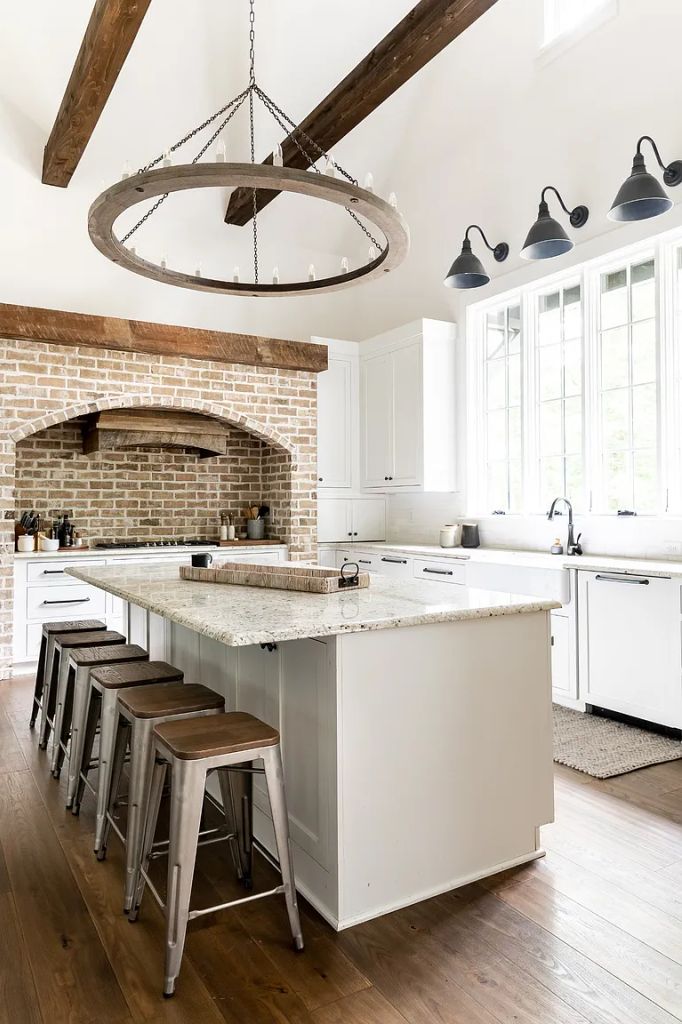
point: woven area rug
(602, 748)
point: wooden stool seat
(136, 673)
(109, 654)
(215, 736)
(171, 699)
(44, 692)
(72, 626)
(97, 638)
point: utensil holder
(255, 529)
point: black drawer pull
(365, 561)
(71, 600)
(53, 572)
(395, 561)
(624, 579)
(439, 572)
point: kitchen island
(415, 720)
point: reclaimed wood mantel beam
(407, 48)
(110, 33)
(32, 323)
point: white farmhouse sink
(553, 584)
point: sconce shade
(546, 238)
(641, 195)
(467, 271)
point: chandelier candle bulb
(393, 200)
(275, 275)
(220, 152)
(164, 262)
(369, 181)
(311, 272)
(371, 254)
(329, 166)
(277, 156)
(197, 272)
(166, 159)
(235, 275)
(127, 170)
(345, 265)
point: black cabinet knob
(320, 479)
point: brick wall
(44, 385)
(138, 493)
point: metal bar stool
(63, 645)
(193, 747)
(140, 711)
(44, 691)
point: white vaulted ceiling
(472, 137)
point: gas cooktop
(192, 543)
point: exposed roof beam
(422, 34)
(110, 33)
(107, 332)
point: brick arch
(223, 412)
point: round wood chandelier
(368, 211)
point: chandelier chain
(235, 104)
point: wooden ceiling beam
(107, 41)
(31, 323)
(407, 48)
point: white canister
(27, 542)
(447, 536)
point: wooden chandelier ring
(139, 188)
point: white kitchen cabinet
(629, 629)
(407, 408)
(562, 676)
(335, 423)
(353, 519)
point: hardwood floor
(591, 933)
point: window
(559, 395)
(628, 387)
(563, 17)
(503, 408)
(575, 388)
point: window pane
(645, 480)
(549, 319)
(614, 299)
(644, 416)
(497, 486)
(552, 477)
(644, 352)
(573, 365)
(495, 334)
(614, 358)
(573, 413)
(497, 435)
(515, 433)
(643, 290)
(617, 481)
(616, 419)
(550, 372)
(573, 312)
(514, 329)
(514, 380)
(574, 477)
(550, 428)
(497, 384)
(515, 485)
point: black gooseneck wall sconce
(547, 238)
(641, 195)
(467, 271)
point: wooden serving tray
(310, 579)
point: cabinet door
(561, 660)
(369, 519)
(407, 416)
(334, 520)
(376, 412)
(630, 645)
(334, 433)
(257, 692)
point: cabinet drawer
(366, 561)
(445, 571)
(54, 572)
(64, 601)
(393, 565)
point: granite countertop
(239, 616)
(169, 549)
(533, 559)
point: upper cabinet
(335, 410)
(407, 408)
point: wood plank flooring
(591, 933)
